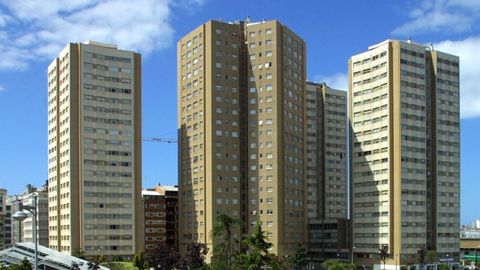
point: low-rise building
(160, 204)
(3, 214)
(22, 231)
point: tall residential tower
(326, 171)
(404, 152)
(241, 98)
(94, 150)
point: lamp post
(21, 216)
(351, 255)
(448, 262)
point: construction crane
(160, 140)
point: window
(218, 65)
(268, 31)
(268, 53)
(218, 31)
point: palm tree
(223, 232)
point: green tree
(337, 265)
(257, 256)
(227, 247)
(195, 257)
(431, 256)
(25, 265)
(165, 257)
(117, 258)
(139, 260)
(299, 259)
(79, 254)
(443, 267)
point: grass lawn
(120, 265)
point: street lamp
(351, 255)
(448, 262)
(21, 216)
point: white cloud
(467, 50)
(336, 81)
(2, 88)
(31, 29)
(441, 15)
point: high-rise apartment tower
(241, 98)
(404, 152)
(94, 150)
(326, 171)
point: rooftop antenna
(248, 19)
(409, 40)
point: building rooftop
(48, 258)
(100, 44)
(392, 40)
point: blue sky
(32, 32)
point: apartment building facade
(94, 150)
(326, 171)
(160, 223)
(23, 231)
(3, 217)
(241, 90)
(404, 152)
